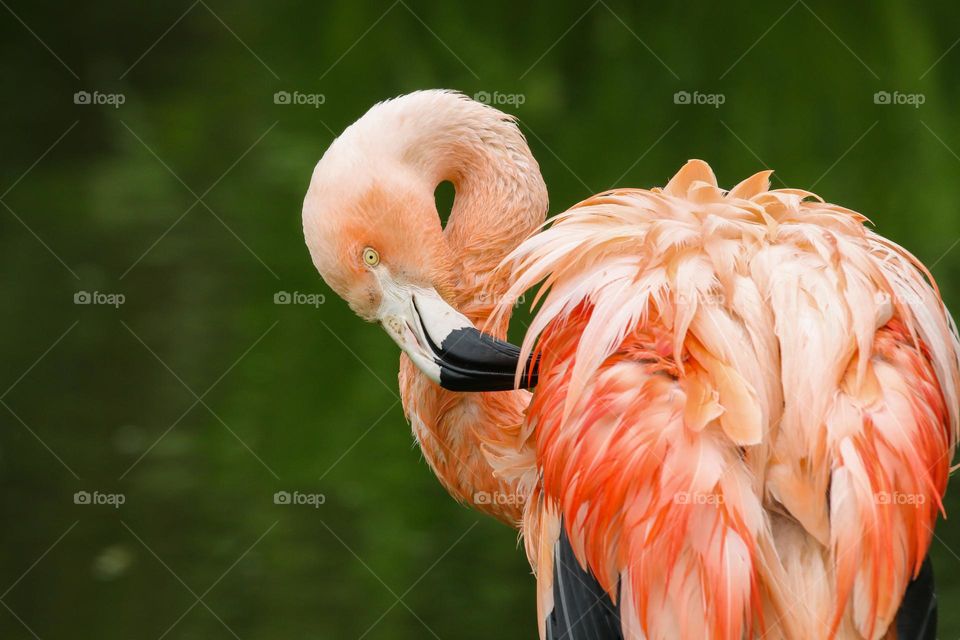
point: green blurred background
(198, 398)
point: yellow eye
(370, 257)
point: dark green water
(198, 398)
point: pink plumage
(746, 401)
(747, 406)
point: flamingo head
(371, 237)
(371, 225)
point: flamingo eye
(370, 257)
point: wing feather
(739, 393)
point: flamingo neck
(500, 195)
(474, 442)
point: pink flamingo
(745, 403)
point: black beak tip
(474, 361)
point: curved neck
(496, 207)
(472, 441)
(500, 195)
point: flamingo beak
(445, 345)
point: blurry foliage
(596, 103)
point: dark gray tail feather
(917, 617)
(582, 610)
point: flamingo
(744, 402)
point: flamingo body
(746, 408)
(746, 401)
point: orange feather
(741, 394)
